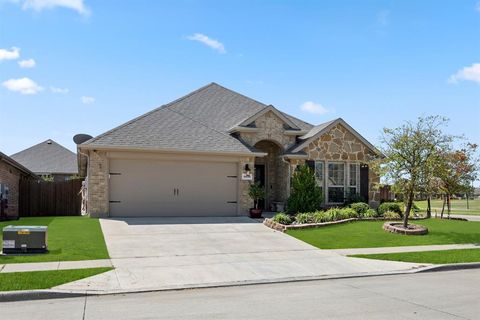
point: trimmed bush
(320, 216)
(390, 206)
(391, 215)
(360, 208)
(348, 213)
(282, 218)
(303, 218)
(370, 213)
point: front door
(260, 178)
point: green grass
(458, 206)
(435, 257)
(369, 234)
(44, 279)
(69, 238)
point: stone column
(98, 205)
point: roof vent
(49, 141)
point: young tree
(305, 195)
(410, 153)
(457, 170)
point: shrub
(306, 195)
(347, 213)
(282, 218)
(332, 214)
(391, 215)
(360, 207)
(353, 198)
(370, 213)
(321, 216)
(303, 218)
(390, 206)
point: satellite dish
(81, 138)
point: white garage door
(172, 188)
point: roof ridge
(147, 113)
(241, 94)
(41, 143)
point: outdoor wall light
(247, 169)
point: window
(336, 182)
(319, 173)
(353, 179)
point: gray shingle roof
(13, 163)
(48, 157)
(198, 121)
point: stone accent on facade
(338, 144)
(244, 201)
(271, 128)
(98, 193)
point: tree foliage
(411, 154)
(305, 195)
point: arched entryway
(272, 173)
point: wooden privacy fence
(42, 198)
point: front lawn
(44, 279)
(69, 238)
(369, 234)
(435, 257)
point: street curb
(53, 294)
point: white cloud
(383, 17)
(212, 43)
(13, 53)
(29, 63)
(471, 73)
(22, 85)
(59, 90)
(39, 5)
(312, 107)
(87, 100)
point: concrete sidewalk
(348, 252)
(56, 265)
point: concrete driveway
(167, 253)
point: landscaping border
(284, 227)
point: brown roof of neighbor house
(200, 121)
(15, 164)
(48, 157)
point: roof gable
(323, 128)
(265, 110)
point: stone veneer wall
(270, 128)
(339, 144)
(98, 192)
(244, 201)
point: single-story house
(197, 156)
(11, 172)
(50, 160)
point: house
(49, 160)
(11, 172)
(197, 156)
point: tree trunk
(443, 206)
(449, 205)
(408, 208)
(429, 207)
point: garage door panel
(147, 188)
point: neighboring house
(11, 172)
(194, 156)
(49, 159)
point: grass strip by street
(434, 257)
(369, 234)
(69, 239)
(44, 279)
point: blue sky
(74, 66)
